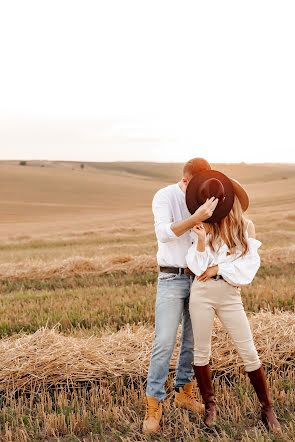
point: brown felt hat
(208, 183)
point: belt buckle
(187, 271)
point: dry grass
(49, 358)
(90, 304)
(278, 255)
(107, 411)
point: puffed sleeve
(198, 262)
(162, 217)
(241, 270)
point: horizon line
(143, 161)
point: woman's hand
(211, 271)
(200, 231)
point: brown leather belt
(183, 271)
(179, 270)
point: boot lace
(190, 396)
(151, 410)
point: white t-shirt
(169, 206)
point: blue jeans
(172, 305)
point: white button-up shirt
(169, 206)
(236, 270)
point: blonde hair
(231, 230)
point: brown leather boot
(258, 380)
(151, 423)
(205, 385)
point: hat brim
(241, 194)
(193, 200)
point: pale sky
(150, 80)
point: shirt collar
(180, 190)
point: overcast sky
(150, 80)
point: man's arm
(165, 228)
(202, 213)
(163, 217)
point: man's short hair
(194, 166)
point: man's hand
(211, 271)
(206, 210)
(202, 213)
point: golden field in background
(56, 201)
(78, 251)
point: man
(173, 223)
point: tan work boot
(151, 423)
(185, 399)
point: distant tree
(22, 163)
(82, 166)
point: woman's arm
(197, 261)
(242, 270)
(198, 257)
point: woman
(224, 257)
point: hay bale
(76, 266)
(125, 264)
(49, 358)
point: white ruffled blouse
(235, 270)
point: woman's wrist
(201, 245)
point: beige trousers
(220, 298)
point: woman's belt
(217, 277)
(184, 271)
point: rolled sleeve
(169, 231)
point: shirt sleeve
(241, 271)
(162, 218)
(198, 262)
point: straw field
(78, 278)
